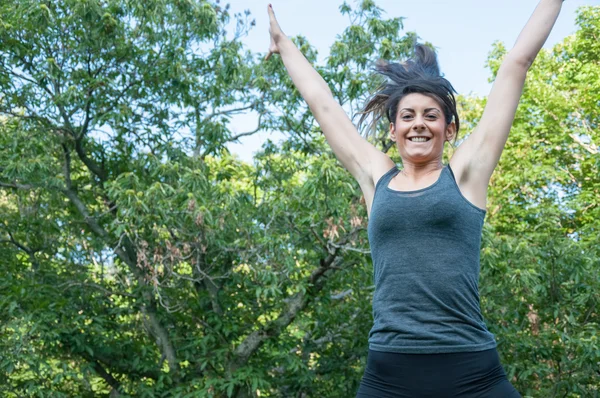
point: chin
(418, 156)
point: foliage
(540, 260)
(141, 259)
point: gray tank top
(425, 247)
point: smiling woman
(425, 220)
(420, 132)
(421, 108)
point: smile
(419, 139)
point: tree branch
(67, 165)
(118, 98)
(256, 130)
(591, 148)
(162, 338)
(26, 187)
(30, 252)
(114, 383)
(342, 295)
(344, 246)
(128, 256)
(78, 137)
(90, 163)
(228, 112)
(29, 79)
(295, 304)
(86, 121)
(316, 235)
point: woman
(425, 221)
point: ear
(392, 132)
(451, 131)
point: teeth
(418, 139)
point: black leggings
(464, 374)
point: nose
(418, 124)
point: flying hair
(419, 74)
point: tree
(141, 259)
(96, 93)
(540, 259)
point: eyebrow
(426, 110)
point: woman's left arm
(475, 159)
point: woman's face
(420, 130)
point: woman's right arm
(365, 162)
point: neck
(416, 171)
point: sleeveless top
(425, 247)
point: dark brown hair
(419, 74)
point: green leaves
(137, 254)
(539, 269)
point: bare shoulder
(380, 166)
(471, 177)
(379, 163)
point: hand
(275, 32)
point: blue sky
(463, 32)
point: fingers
(272, 19)
(271, 14)
(274, 31)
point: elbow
(525, 62)
(520, 61)
(515, 66)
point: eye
(406, 117)
(431, 116)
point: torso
(425, 246)
(402, 183)
(477, 195)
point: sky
(463, 32)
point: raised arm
(356, 154)
(477, 157)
